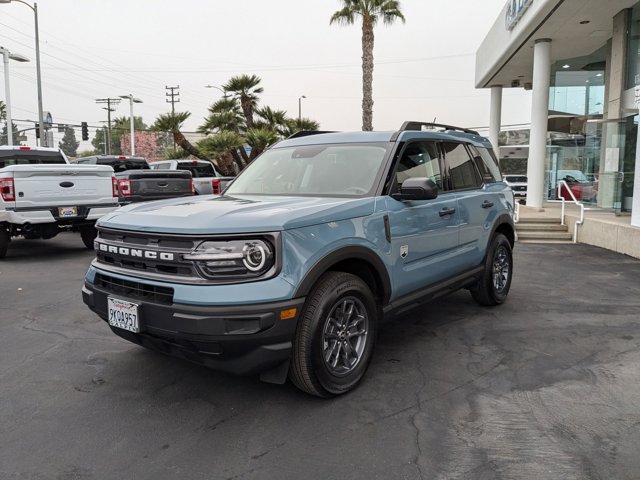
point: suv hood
(242, 214)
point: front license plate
(67, 211)
(123, 314)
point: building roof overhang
(576, 28)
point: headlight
(222, 259)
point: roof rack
(306, 133)
(429, 125)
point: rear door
(477, 204)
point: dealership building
(581, 59)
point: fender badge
(404, 251)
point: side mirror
(417, 189)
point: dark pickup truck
(138, 183)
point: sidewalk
(601, 228)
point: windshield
(314, 170)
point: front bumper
(239, 339)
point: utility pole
(174, 93)
(109, 102)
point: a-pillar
(539, 122)
(495, 118)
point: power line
(109, 101)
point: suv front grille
(141, 291)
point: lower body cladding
(238, 339)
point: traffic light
(85, 131)
(37, 130)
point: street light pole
(6, 55)
(43, 139)
(300, 108)
(132, 100)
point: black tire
(493, 287)
(88, 235)
(4, 242)
(330, 356)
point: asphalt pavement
(545, 386)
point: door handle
(487, 204)
(446, 211)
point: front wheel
(88, 235)
(493, 287)
(334, 339)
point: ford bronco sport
(290, 272)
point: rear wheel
(4, 242)
(88, 235)
(493, 287)
(335, 335)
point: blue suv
(291, 271)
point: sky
(91, 49)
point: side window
(161, 166)
(486, 163)
(461, 169)
(419, 159)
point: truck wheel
(88, 235)
(493, 287)
(334, 338)
(4, 242)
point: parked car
(582, 188)
(518, 184)
(290, 272)
(41, 194)
(136, 181)
(206, 179)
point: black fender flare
(503, 219)
(352, 252)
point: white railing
(516, 211)
(573, 200)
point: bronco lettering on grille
(136, 252)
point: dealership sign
(515, 11)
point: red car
(582, 188)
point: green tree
(4, 136)
(69, 144)
(3, 111)
(235, 122)
(246, 89)
(294, 125)
(172, 123)
(370, 11)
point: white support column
(539, 122)
(495, 118)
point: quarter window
(462, 172)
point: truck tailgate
(157, 184)
(60, 185)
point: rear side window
(29, 157)
(161, 166)
(461, 169)
(489, 165)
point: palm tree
(295, 125)
(246, 88)
(259, 139)
(225, 146)
(172, 122)
(370, 11)
(224, 114)
(276, 120)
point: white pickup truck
(41, 194)
(206, 179)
